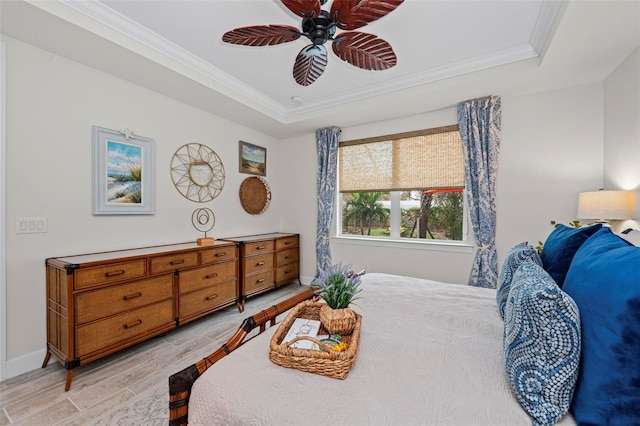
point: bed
(429, 353)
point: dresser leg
(46, 359)
(67, 385)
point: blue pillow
(513, 259)
(560, 247)
(541, 344)
(604, 280)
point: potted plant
(338, 286)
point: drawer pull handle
(261, 280)
(259, 263)
(224, 253)
(288, 271)
(132, 296)
(177, 262)
(133, 324)
(214, 296)
(286, 243)
(211, 276)
(260, 248)
(113, 273)
(287, 257)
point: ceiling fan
(362, 50)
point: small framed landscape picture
(123, 175)
(253, 159)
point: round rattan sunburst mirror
(255, 195)
(197, 172)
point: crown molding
(545, 24)
(172, 54)
(507, 56)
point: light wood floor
(117, 381)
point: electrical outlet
(31, 225)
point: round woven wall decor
(197, 172)
(255, 195)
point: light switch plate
(31, 225)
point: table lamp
(603, 206)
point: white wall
(551, 150)
(622, 130)
(51, 105)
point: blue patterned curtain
(479, 122)
(327, 148)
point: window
(403, 186)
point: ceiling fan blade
(310, 64)
(352, 14)
(365, 51)
(261, 35)
(303, 8)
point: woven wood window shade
(425, 159)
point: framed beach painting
(123, 175)
(253, 159)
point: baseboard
(25, 363)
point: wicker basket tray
(325, 362)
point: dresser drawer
(195, 279)
(92, 305)
(258, 247)
(261, 280)
(110, 273)
(286, 273)
(118, 329)
(285, 257)
(173, 262)
(286, 242)
(219, 254)
(207, 298)
(258, 263)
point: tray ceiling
(447, 51)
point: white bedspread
(430, 354)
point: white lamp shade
(604, 205)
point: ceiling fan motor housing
(319, 30)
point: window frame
(395, 240)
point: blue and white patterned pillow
(517, 255)
(541, 344)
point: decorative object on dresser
(123, 175)
(101, 303)
(203, 220)
(252, 159)
(267, 261)
(197, 172)
(255, 195)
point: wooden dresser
(267, 261)
(101, 303)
